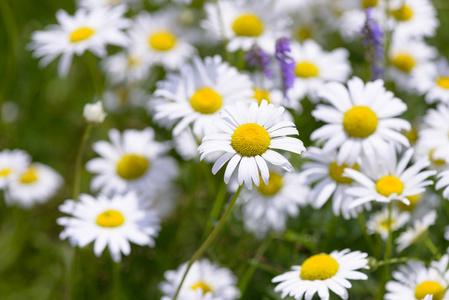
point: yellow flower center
(203, 286)
(304, 34)
(319, 267)
(443, 82)
(110, 218)
(248, 25)
(360, 122)
(260, 95)
(388, 185)
(134, 61)
(404, 62)
(384, 224)
(438, 161)
(132, 166)
(250, 139)
(274, 185)
(429, 288)
(404, 13)
(81, 34)
(414, 199)
(162, 40)
(206, 101)
(5, 172)
(411, 135)
(306, 70)
(336, 172)
(29, 176)
(369, 3)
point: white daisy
(247, 137)
(419, 230)
(378, 222)
(205, 281)
(121, 98)
(415, 281)
(133, 161)
(443, 182)
(200, 93)
(321, 273)
(111, 222)
(127, 67)
(305, 25)
(36, 184)
(433, 80)
(86, 30)
(93, 4)
(12, 163)
(360, 119)
(287, 6)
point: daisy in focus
(12, 163)
(247, 138)
(433, 81)
(86, 30)
(111, 222)
(360, 119)
(205, 281)
(378, 222)
(321, 273)
(415, 234)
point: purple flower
(373, 41)
(256, 57)
(286, 62)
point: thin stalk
(433, 249)
(387, 254)
(94, 73)
(218, 204)
(116, 281)
(209, 239)
(397, 260)
(79, 161)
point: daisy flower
(93, 4)
(111, 222)
(86, 30)
(443, 182)
(127, 67)
(133, 161)
(378, 222)
(385, 179)
(304, 25)
(321, 273)
(416, 281)
(36, 184)
(204, 281)
(360, 119)
(199, 94)
(246, 138)
(419, 230)
(314, 67)
(12, 163)
(433, 81)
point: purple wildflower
(373, 41)
(287, 64)
(256, 57)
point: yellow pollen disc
(369, 3)
(360, 122)
(5, 172)
(162, 40)
(438, 161)
(29, 176)
(429, 288)
(250, 139)
(411, 135)
(81, 34)
(304, 34)
(388, 185)
(319, 267)
(306, 70)
(132, 166)
(134, 61)
(110, 218)
(248, 25)
(414, 199)
(336, 172)
(260, 95)
(443, 82)
(404, 13)
(275, 183)
(203, 286)
(404, 62)
(206, 101)
(384, 224)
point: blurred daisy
(378, 222)
(36, 184)
(111, 222)
(321, 273)
(12, 163)
(199, 94)
(415, 281)
(314, 67)
(247, 137)
(133, 161)
(443, 182)
(94, 4)
(416, 233)
(119, 99)
(127, 67)
(361, 119)
(433, 80)
(204, 281)
(86, 30)
(287, 6)
(304, 25)
(162, 200)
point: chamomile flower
(127, 67)
(287, 6)
(321, 273)
(415, 281)
(12, 163)
(94, 4)
(111, 222)
(443, 182)
(314, 67)
(132, 161)
(304, 25)
(200, 93)
(204, 281)
(36, 184)
(360, 119)
(86, 30)
(433, 80)
(419, 230)
(246, 138)
(378, 222)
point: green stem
(116, 284)
(433, 249)
(391, 261)
(209, 239)
(79, 161)
(218, 204)
(95, 74)
(387, 255)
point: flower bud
(94, 113)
